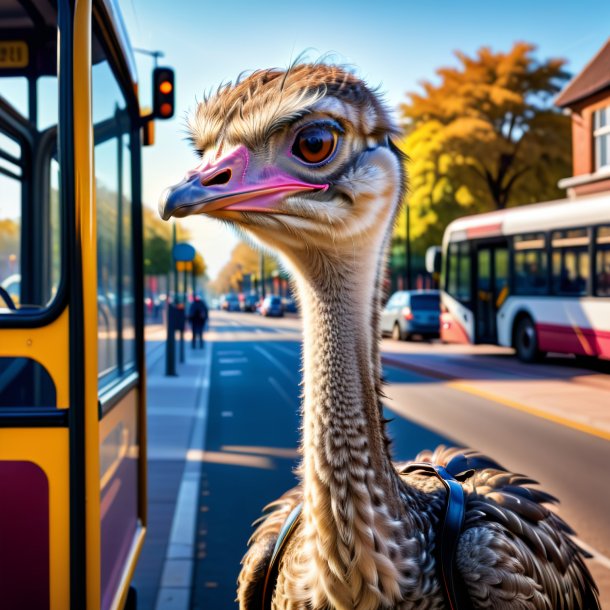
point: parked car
(229, 302)
(289, 305)
(248, 302)
(272, 306)
(412, 312)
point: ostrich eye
(315, 144)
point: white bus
(536, 278)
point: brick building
(587, 98)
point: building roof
(594, 77)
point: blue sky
(392, 44)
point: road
(250, 448)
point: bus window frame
(37, 153)
(121, 382)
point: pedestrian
(198, 317)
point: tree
(244, 260)
(485, 137)
(158, 243)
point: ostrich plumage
(302, 162)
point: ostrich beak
(228, 184)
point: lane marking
(226, 414)
(275, 361)
(451, 382)
(241, 360)
(230, 373)
(282, 392)
(597, 556)
(513, 404)
(230, 352)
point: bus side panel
(563, 325)
(34, 519)
(457, 322)
(24, 536)
(119, 492)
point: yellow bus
(72, 399)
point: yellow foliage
(483, 138)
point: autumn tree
(485, 136)
(244, 260)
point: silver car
(412, 312)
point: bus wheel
(396, 333)
(526, 341)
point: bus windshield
(30, 226)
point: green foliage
(485, 137)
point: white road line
(261, 350)
(597, 556)
(230, 352)
(282, 392)
(233, 360)
(177, 575)
(230, 373)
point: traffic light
(163, 93)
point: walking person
(198, 317)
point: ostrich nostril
(221, 177)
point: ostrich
(302, 161)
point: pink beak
(227, 184)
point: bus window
(458, 271)
(30, 216)
(116, 303)
(602, 247)
(570, 261)
(530, 264)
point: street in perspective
(232, 416)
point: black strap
(451, 527)
(274, 565)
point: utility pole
(262, 274)
(174, 241)
(407, 249)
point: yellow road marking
(513, 404)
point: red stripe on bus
(490, 230)
(573, 340)
(452, 331)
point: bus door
(491, 288)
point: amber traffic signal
(163, 93)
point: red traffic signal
(163, 93)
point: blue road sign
(183, 252)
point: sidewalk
(177, 410)
(566, 395)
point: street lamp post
(407, 248)
(262, 275)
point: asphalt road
(252, 436)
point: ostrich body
(302, 162)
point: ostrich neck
(343, 431)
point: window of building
(602, 262)
(531, 264)
(570, 261)
(601, 137)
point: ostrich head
(301, 160)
